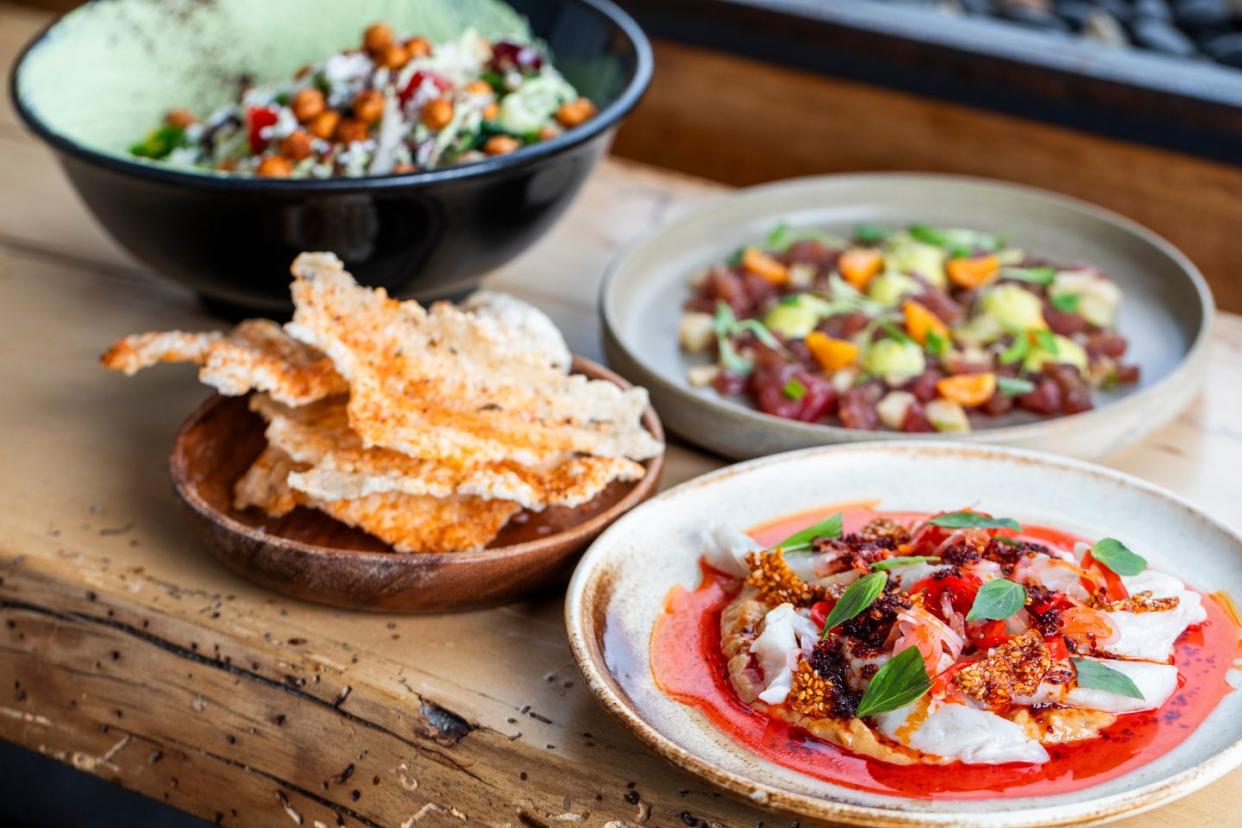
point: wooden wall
(743, 122)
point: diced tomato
(961, 591)
(987, 634)
(258, 117)
(416, 80)
(1114, 589)
(1056, 647)
(819, 613)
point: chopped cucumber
(897, 361)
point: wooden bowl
(308, 555)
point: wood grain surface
(126, 651)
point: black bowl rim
(527, 156)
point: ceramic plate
(619, 589)
(1166, 311)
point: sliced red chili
(961, 590)
(416, 80)
(819, 613)
(1056, 647)
(1114, 589)
(986, 634)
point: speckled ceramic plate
(1166, 313)
(620, 585)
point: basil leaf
(1066, 302)
(1015, 352)
(1012, 387)
(1034, 275)
(829, 527)
(997, 600)
(860, 595)
(908, 560)
(1043, 338)
(1117, 556)
(936, 344)
(974, 520)
(794, 389)
(901, 680)
(1095, 675)
(868, 233)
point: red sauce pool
(688, 665)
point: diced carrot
(973, 272)
(831, 354)
(764, 266)
(859, 265)
(920, 322)
(968, 389)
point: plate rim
(1190, 363)
(579, 615)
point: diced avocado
(1097, 296)
(889, 288)
(947, 415)
(1067, 351)
(1014, 307)
(796, 316)
(895, 360)
(904, 254)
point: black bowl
(427, 234)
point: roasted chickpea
(404, 168)
(479, 87)
(350, 130)
(418, 47)
(376, 37)
(576, 112)
(303, 71)
(227, 165)
(296, 146)
(369, 106)
(307, 104)
(437, 114)
(324, 124)
(394, 56)
(275, 166)
(548, 132)
(491, 111)
(179, 118)
(501, 145)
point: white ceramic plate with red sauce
(622, 585)
(1165, 312)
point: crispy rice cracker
(408, 523)
(336, 466)
(447, 385)
(255, 355)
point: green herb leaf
(868, 233)
(860, 595)
(973, 520)
(778, 236)
(1015, 352)
(959, 242)
(760, 331)
(829, 527)
(936, 344)
(1095, 675)
(1045, 341)
(1065, 302)
(901, 680)
(734, 259)
(997, 600)
(794, 389)
(1034, 275)
(1117, 556)
(895, 332)
(1012, 386)
(908, 560)
(724, 320)
(1008, 541)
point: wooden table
(128, 653)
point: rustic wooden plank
(743, 122)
